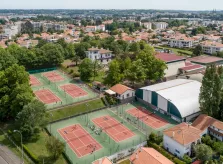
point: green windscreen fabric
(172, 109)
(139, 93)
(154, 98)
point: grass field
(176, 50)
(76, 109)
(125, 162)
(54, 87)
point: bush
(30, 154)
(155, 138)
(177, 161)
(76, 74)
(71, 71)
(187, 159)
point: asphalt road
(2, 161)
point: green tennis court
(109, 145)
(67, 90)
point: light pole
(21, 143)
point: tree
(15, 91)
(86, 69)
(81, 48)
(211, 92)
(54, 54)
(114, 75)
(136, 72)
(203, 152)
(218, 147)
(6, 59)
(76, 59)
(96, 67)
(198, 50)
(55, 147)
(32, 118)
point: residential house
(121, 92)
(146, 155)
(102, 55)
(209, 125)
(180, 139)
(103, 160)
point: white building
(211, 47)
(180, 139)
(177, 98)
(161, 25)
(147, 25)
(100, 27)
(173, 62)
(102, 55)
(122, 92)
(182, 42)
(10, 31)
(209, 125)
(95, 28)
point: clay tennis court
(73, 90)
(33, 81)
(46, 96)
(113, 128)
(53, 76)
(79, 140)
(147, 117)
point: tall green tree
(211, 92)
(32, 118)
(15, 91)
(6, 59)
(198, 50)
(55, 147)
(114, 75)
(86, 69)
(136, 72)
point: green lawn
(176, 50)
(76, 109)
(100, 77)
(125, 162)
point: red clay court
(113, 128)
(46, 96)
(53, 76)
(79, 140)
(73, 90)
(33, 81)
(147, 117)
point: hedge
(30, 154)
(165, 153)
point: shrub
(177, 161)
(76, 74)
(71, 71)
(155, 138)
(30, 154)
(187, 159)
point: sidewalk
(7, 156)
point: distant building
(102, 55)
(95, 28)
(161, 25)
(181, 42)
(180, 139)
(211, 47)
(147, 25)
(146, 155)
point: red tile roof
(104, 160)
(204, 121)
(166, 57)
(120, 89)
(205, 59)
(183, 133)
(148, 156)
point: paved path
(7, 156)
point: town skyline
(190, 5)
